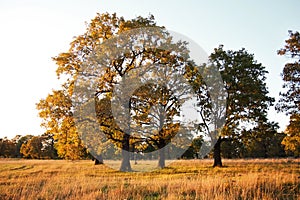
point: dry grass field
(268, 179)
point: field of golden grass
(268, 179)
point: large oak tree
(116, 54)
(247, 100)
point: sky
(33, 31)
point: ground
(184, 179)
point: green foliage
(263, 141)
(244, 81)
(33, 148)
(232, 148)
(38, 147)
(193, 151)
(247, 100)
(290, 98)
(7, 148)
(20, 140)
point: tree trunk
(99, 160)
(217, 153)
(125, 165)
(161, 158)
(161, 154)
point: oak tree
(290, 97)
(116, 51)
(247, 100)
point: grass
(185, 179)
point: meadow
(268, 179)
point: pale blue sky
(34, 31)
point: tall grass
(186, 179)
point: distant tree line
(258, 145)
(28, 146)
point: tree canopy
(101, 80)
(247, 100)
(144, 49)
(290, 97)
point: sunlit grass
(184, 179)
